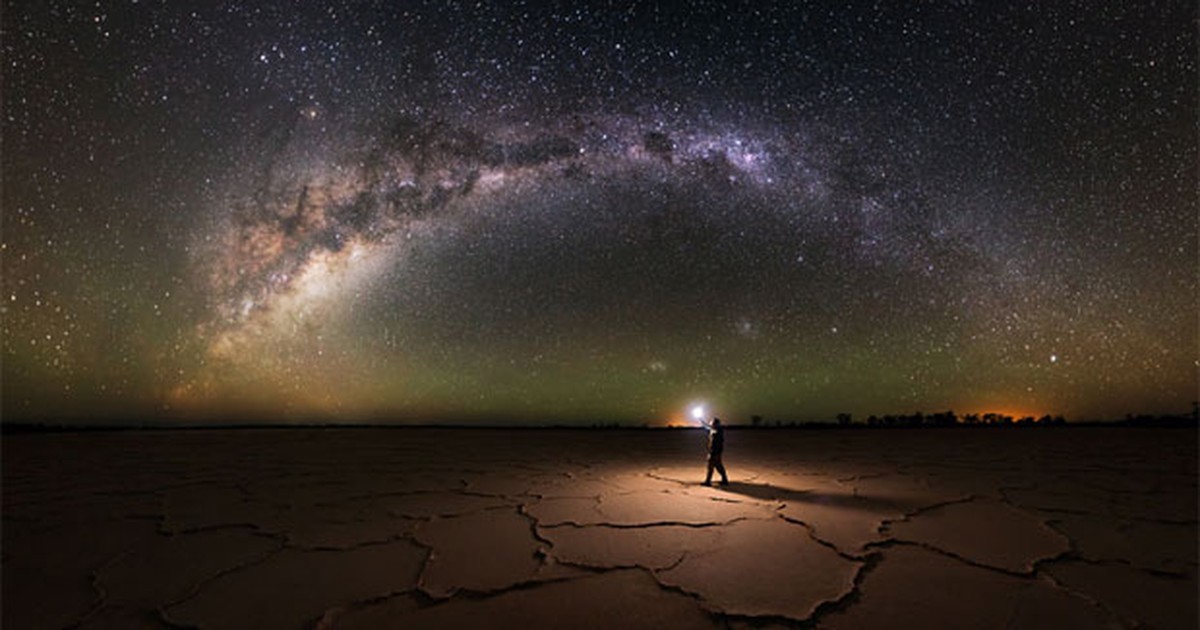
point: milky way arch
(323, 222)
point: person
(716, 447)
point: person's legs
(714, 461)
(708, 477)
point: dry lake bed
(1074, 527)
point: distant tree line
(951, 419)
(919, 419)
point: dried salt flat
(483, 551)
(1014, 542)
(913, 587)
(615, 599)
(411, 528)
(293, 589)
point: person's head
(716, 422)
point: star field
(594, 213)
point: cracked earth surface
(366, 528)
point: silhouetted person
(716, 446)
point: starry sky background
(578, 212)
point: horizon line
(68, 425)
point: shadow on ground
(768, 492)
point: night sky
(414, 211)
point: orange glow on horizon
(679, 420)
(1013, 412)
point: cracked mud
(365, 528)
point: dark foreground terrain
(366, 528)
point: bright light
(698, 412)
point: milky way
(462, 213)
